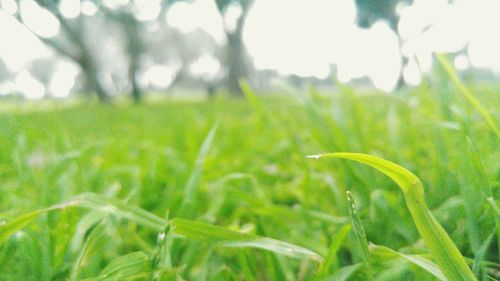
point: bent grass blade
(444, 252)
(129, 266)
(343, 273)
(419, 261)
(97, 239)
(468, 94)
(90, 201)
(132, 266)
(11, 227)
(229, 238)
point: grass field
(223, 190)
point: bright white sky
(303, 37)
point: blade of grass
(90, 201)
(331, 257)
(190, 190)
(344, 273)
(478, 168)
(496, 213)
(275, 269)
(395, 269)
(133, 266)
(162, 258)
(468, 94)
(127, 267)
(419, 261)
(245, 266)
(97, 239)
(474, 188)
(481, 253)
(121, 209)
(439, 244)
(298, 213)
(11, 227)
(8, 250)
(89, 220)
(228, 238)
(359, 233)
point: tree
(236, 58)
(133, 45)
(133, 30)
(189, 48)
(4, 71)
(71, 44)
(5, 75)
(42, 70)
(370, 11)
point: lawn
(223, 190)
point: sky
(302, 37)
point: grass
(441, 247)
(222, 190)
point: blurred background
(103, 49)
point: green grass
(223, 190)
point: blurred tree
(133, 30)
(370, 11)
(71, 44)
(133, 44)
(4, 71)
(42, 70)
(188, 48)
(236, 59)
(5, 75)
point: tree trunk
(136, 90)
(82, 57)
(237, 63)
(134, 48)
(90, 71)
(96, 86)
